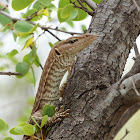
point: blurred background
(17, 94)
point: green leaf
(12, 131)
(48, 110)
(73, 15)
(4, 20)
(3, 125)
(23, 68)
(97, 1)
(37, 5)
(83, 28)
(15, 36)
(37, 128)
(23, 26)
(36, 61)
(52, 7)
(20, 4)
(32, 55)
(62, 3)
(81, 15)
(29, 43)
(70, 23)
(29, 129)
(44, 120)
(32, 13)
(67, 10)
(19, 129)
(23, 124)
(12, 53)
(8, 138)
(24, 38)
(51, 44)
(45, 2)
(26, 58)
(59, 16)
(35, 121)
(34, 28)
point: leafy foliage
(24, 31)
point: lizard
(60, 60)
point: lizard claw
(58, 115)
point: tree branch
(41, 26)
(91, 4)
(10, 73)
(82, 7)
(138, 8)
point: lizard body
(60, 59)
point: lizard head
(73, 45)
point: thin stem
(41, 133)
(82, 7)
(126, 133)
(35, 137)
(41, 26)
(10, 73)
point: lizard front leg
(55, 118)
(50, 122)
(64, 85)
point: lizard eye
(72, 41)
(57, 52)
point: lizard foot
(57, 116)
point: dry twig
(126, 133)
(82, 7)
(10, 73)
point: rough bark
(92, 93)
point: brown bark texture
(92, 94)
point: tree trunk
(92, 93)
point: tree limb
(138, 8)
(92, 96)
(91, 4)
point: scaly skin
(59, 61)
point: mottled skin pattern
(59, 61)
